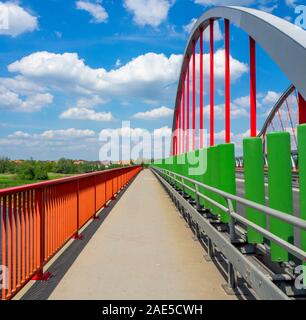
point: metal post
(183, 111)
(188, 106)
(231, 277)
(302, 109)
(193, 95)
(231, 221)
(179, 128)
(227, 83)
(201, 91)
(253, 125)
(210, 249)
(212, 85)
(197, 198)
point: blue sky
(69, 69)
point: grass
(11, 180)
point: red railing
(37, 220)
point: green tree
(65, 166)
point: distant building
(79, 162)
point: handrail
(37, 220)
(54, 182)
(297, 222)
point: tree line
(38, 170)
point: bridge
(189, 226)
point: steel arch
(270, 32)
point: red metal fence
(37, 220)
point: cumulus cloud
(58, 138)
(222, 2)
(290, 3)
(148, 77)
(15, 20)
(97, 12)
(90, 102)
(86, 114)
(67, 134)
(270, 98)
(149, 12)
(240, 106)
(157, 113)
(206, 36)
(265, 5)
(11, 101)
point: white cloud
(157, 113)
(148, 77)
(290, 3)
(217, 31)
(16, 20)
(12, 101)
(222, 2)
(149, 12)
(267, 8)
(89, 102)
(240, 106)
(97, 12)
(86, 114)
(270, 98)
(58, 138)
(67, 134)
(188, 27)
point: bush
(65, 166)
(30, 170)
(6, 165)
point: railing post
(95, 217)
(77, 236)
(231, 221)
(197, 197)
(41, 276)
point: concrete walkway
(143, 250)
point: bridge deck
(143, 250)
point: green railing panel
(254, 184)
(215, 177)
(280, 190)
(302, 177)
(189, 157)
(202, 174)
(227, 174)
(208, 177)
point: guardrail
(37, 220)
(230, 200)
(294, 221)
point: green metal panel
(254, 184)
(302, 176)
(227, 174)
(208, 176)
(202, 175)
(215, 177)
(280, 189)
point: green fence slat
(227, 174)
(302, 180)
(280, 190)
(208, 177)
(215, 177)
(254, 184)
